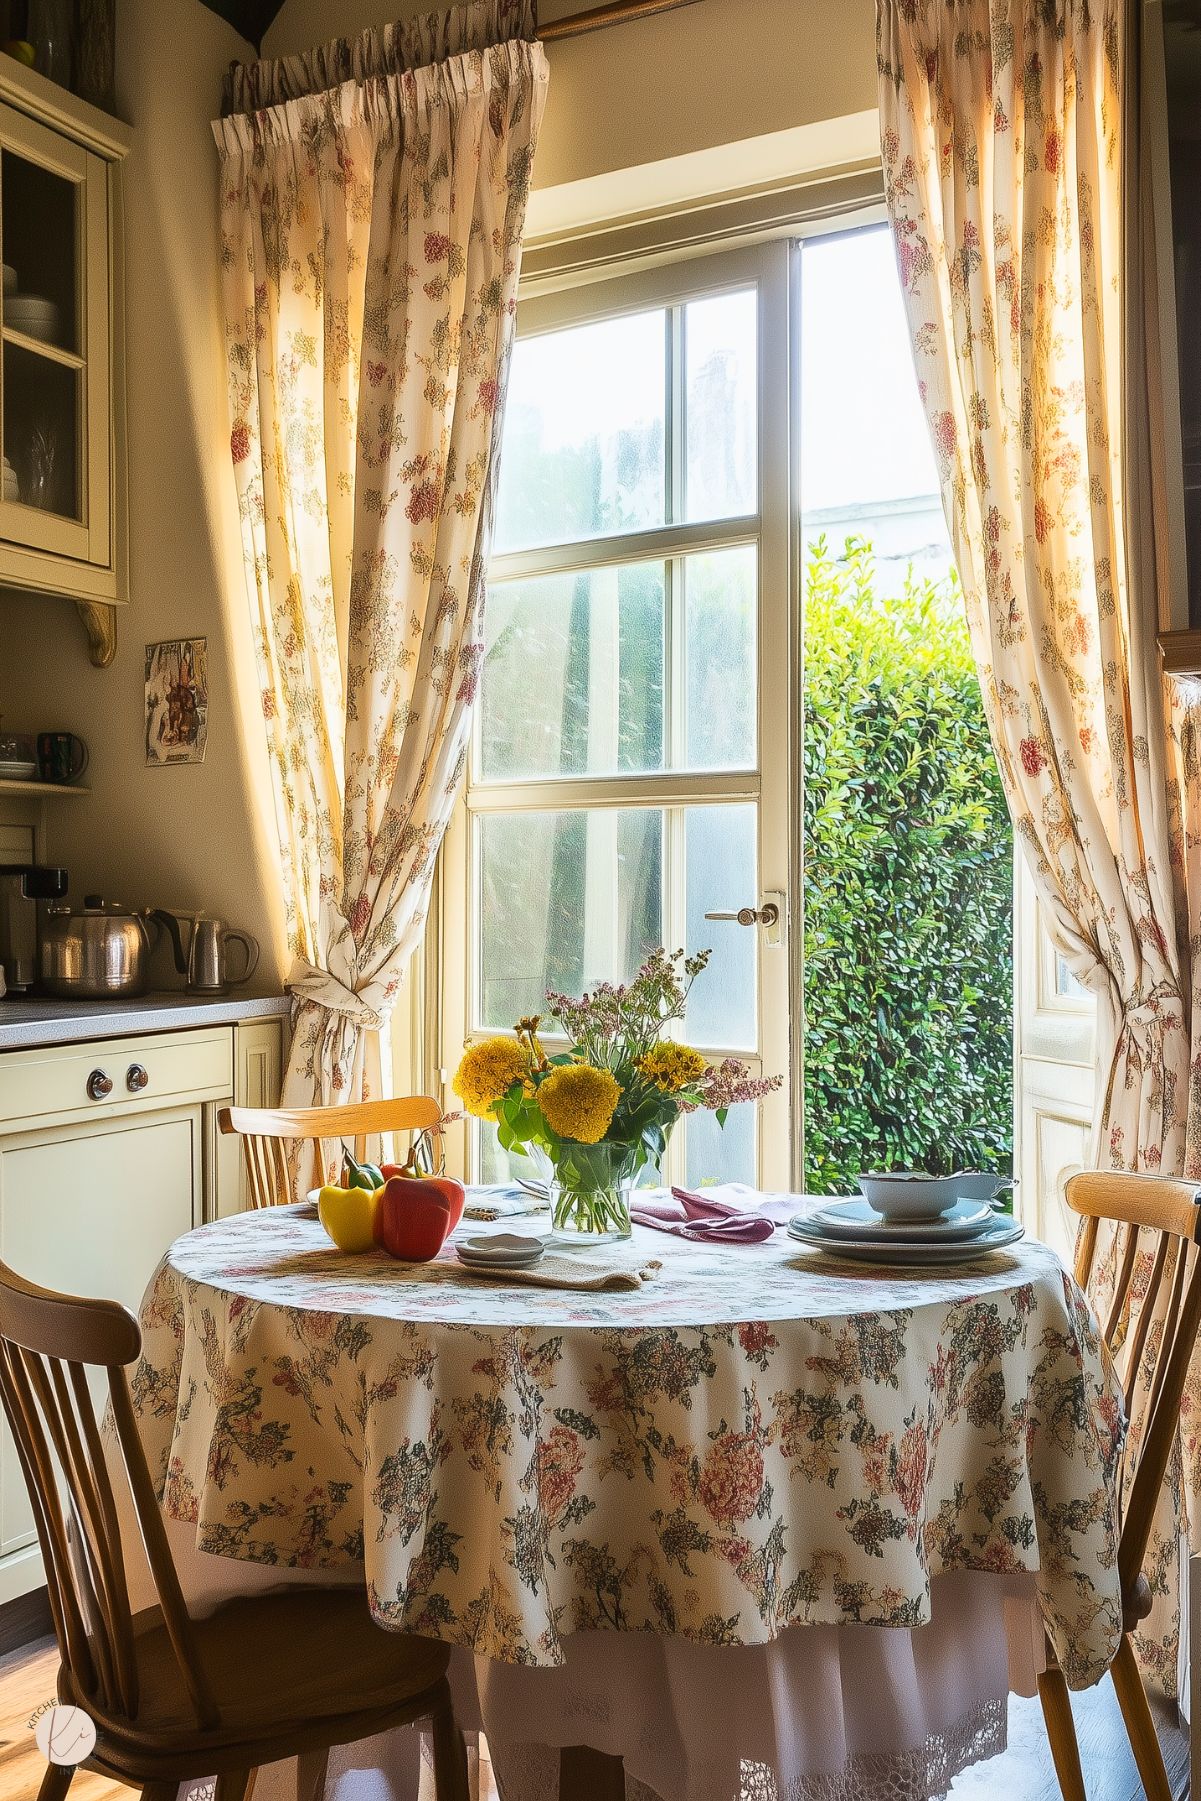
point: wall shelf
(42, 790)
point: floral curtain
(373, 202)
(1005, 129)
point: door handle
(766, 915)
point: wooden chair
(175, 1698)
(1159, 1221)
(264, 1133)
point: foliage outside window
(908, 885)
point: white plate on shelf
(35, 317)
(10, 280)
(882, 1250)
(18, 772)
(857, 1218)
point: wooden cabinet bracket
(100, 624)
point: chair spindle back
(265, 1132)
(48, 1342)
(1151, 1324)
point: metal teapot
(203, 958)
(100, 951)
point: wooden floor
(26, 1682)
(1022, 1773)
(1025, 1773)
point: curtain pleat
(398, 49)
(1011, 137)
(371, 242)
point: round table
(755, 1442)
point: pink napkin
(725, 1214)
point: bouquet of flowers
(602, 1110)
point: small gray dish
(500, 1250)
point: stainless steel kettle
(203, 958)
(99, 951)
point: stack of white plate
(854, 1229)
(499, 1250)
(33, 315)
(10, 280)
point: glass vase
(590, 1193)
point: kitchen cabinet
(258, 1077)
(108, 1151)
(61, 418)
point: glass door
(54, 337)
(629, 778)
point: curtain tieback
(309, 983)
(1158, 1013)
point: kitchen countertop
(38, 1021)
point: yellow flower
(578, 1101)
(486, 1072)
(670, 1067)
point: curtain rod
(619, 12)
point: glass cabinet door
(54, 374)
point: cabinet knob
(99, 1085)
(136, 1078)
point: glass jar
(18, 757)
(590, 1193)
(49, 30)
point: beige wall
(195, 836)
(711, 74)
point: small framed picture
(177, 701)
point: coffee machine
(22, 886)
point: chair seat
(279, 1665)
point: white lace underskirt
(824, 1714)
(531, 1772)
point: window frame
(773, 784)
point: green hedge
(908, 886)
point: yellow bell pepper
(348, 1215)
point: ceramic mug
(62, 757)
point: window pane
(713, 1153)
(720, 874)
(720, 340)
(865, 447)
(574, 671)
(491, 1164)
(908, 1046)
(1067, 985)
(584, 433)
(566, 899)
(573, 675)
(720, 589)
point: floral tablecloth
(758, 1439)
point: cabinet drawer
(54, 1083)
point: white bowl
(10, 279)
(910, 1194)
